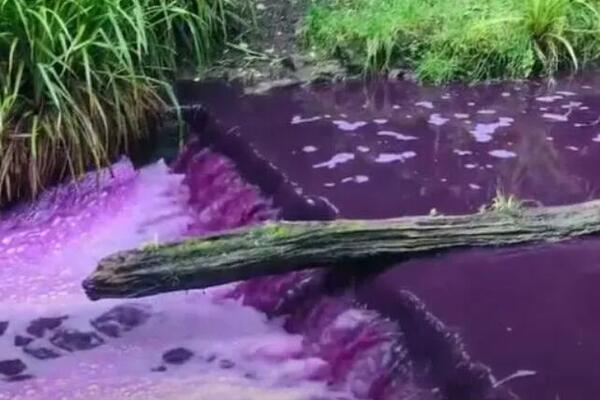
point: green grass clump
(469, 40)
(82, 80)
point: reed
(81, 81)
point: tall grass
(472, 40)
(81, 80)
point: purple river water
(380, 149)
(494, 324)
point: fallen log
(275, 248)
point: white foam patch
(566, 93)
(380, 121)
(437, 120)
(462, 152)
(486, 112)
(348, 126)
(596, 138)
(363, 149)
(392, 157)
(572, 148)
(572, 104)
(425, 104)
(336, 160)
(356, 179)
(396, 135)
(548, 99)
(309, 149)
(461, 116)
(556, 117)
(483, 132)
(297, 119)
(501, 153)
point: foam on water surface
(56, 344)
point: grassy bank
(445, 40)
(82, 80)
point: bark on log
(275, 248)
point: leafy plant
(509, 205)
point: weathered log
(275, 248)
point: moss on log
(275, 248)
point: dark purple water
(384, 150)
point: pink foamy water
(285, 337)
(56, 344)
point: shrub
(472, 40)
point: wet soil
(269, 53)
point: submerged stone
(3, 327)
(177, 356)
(226, 364)
(121, 319)
(41, 353)
(12, 367)
(21, 341)
(18, 378)
(72, 340)
(38, 327)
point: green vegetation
(82, 80)
(509, 205)
(445, 40)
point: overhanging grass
(471, 40)
(80, 80)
